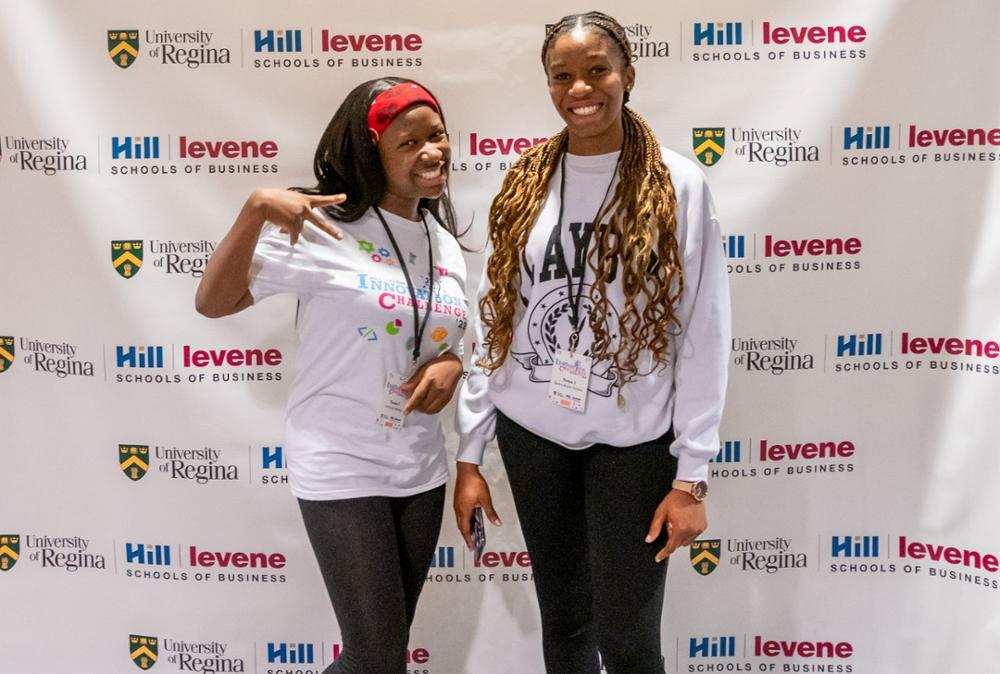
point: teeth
(430, 175)
(585, 111)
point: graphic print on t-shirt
(549, 324)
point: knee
(567, 623)
(629, 653)
(377, 654)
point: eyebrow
(406, 135)
(590, 57)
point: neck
(404, 208)
(610, 141)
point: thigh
(546, 481)
(623, 487)
(418, 525)
(356, 546)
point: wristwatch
(698, 490)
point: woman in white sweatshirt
(601, 360)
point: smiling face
(588, 77)
(415, 157)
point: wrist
(697, 490)
(256, 206)
(465, 469)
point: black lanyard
(574, 302)
(418, 325)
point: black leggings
(585, 515)
(374, 554)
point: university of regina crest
(126, 256)
(705, 555)
(143, 650)
(6, 353)
(709, 144)
(134, 460)
(10, 551)
(123, 47)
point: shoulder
(684, 173)
(447, 246)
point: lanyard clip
(574, 339)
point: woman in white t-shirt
(603, 338)
(372, 255)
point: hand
(684, 517)
(291, 210)
(433, 384)
(471, 492)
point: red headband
(391, 102)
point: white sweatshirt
(688, 394)
(355, 324)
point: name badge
(570, 377)
(390, 417)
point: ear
(373, 134)
(629, 77)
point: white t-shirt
(355, 325)
(688, 394)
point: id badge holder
(570, 378)
(390, 416)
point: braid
(639, 243)
(511, 215)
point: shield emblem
(143, 650)
(6, 353)
(709, 144)
(705, 555)
(126, 256)
(10, 551)
(134, 460)
(123, 47)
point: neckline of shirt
(398, 223)
(592, 163)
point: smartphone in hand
(478, 533)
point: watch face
(699, 490)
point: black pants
(374, 554)
(585, 515)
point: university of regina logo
(709, 144)
(6, 353)
(123, 47)
(143, 650)
(705, 555)
(134, 460)
(126, 256)
(10, 551)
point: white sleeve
(475, 418)
(702, 357)
(279, 267)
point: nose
(580, 88)
(432, 152)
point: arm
(475, 421)
(700, 373)
(224, 287)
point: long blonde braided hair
(640, 239)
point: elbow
(204, 306)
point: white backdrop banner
(853, 148)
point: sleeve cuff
(471, 449)
(691, 468)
